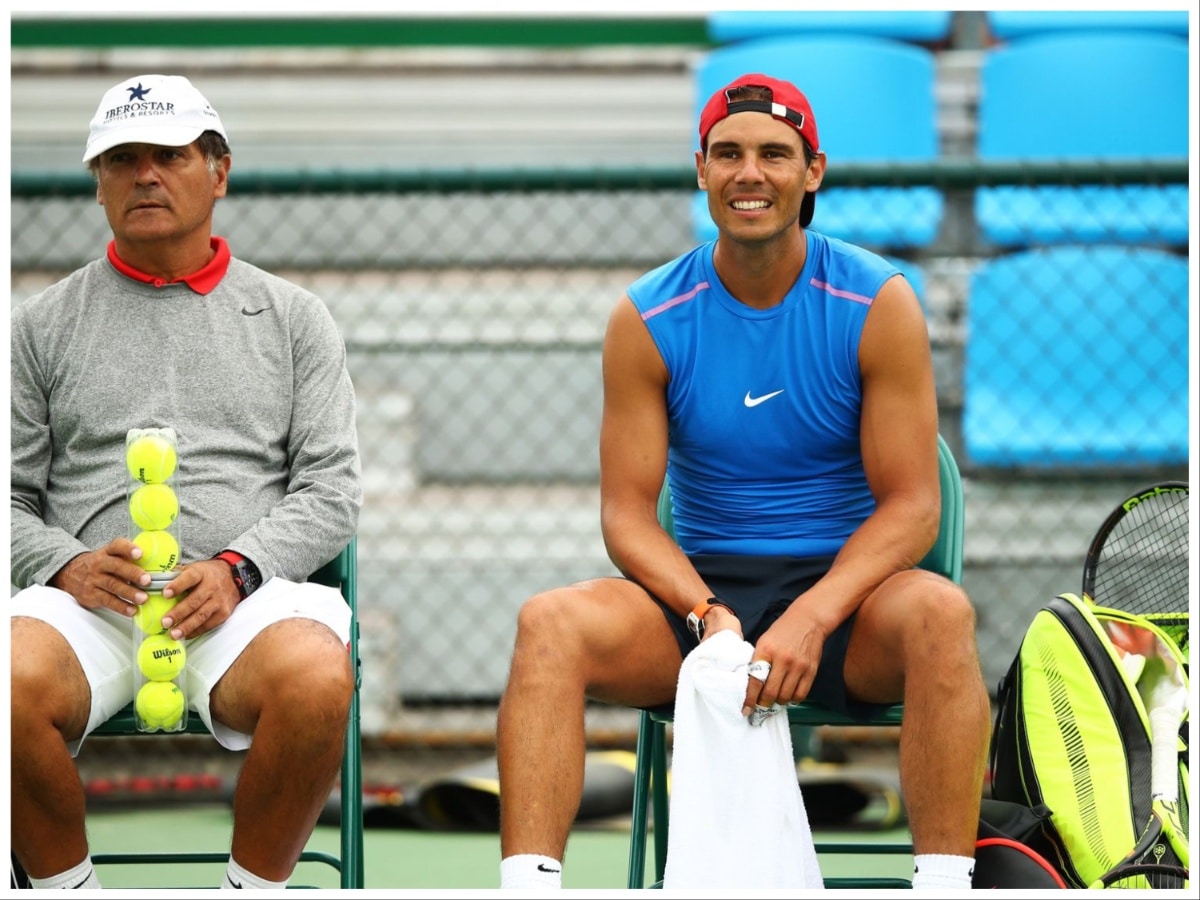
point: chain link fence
(473, 306)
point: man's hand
(210, 598)
(792, 647)
(107, 578)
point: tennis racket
(1138, 560)
(1143, 875)
(1160, 859)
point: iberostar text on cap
(151, 109)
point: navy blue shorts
(759, 589)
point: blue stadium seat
(920, 26)
(1084, 96)
(1013, 24)
(1077, 356)
(874, 102)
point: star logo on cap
(139, 92)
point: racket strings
(1142, 567)
(1148, 875)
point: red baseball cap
(787, 104)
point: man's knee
(950, 603)
(46, 680)
(296, 669)
(922, 621)
(940, 638)
(549, 617)
(930, 603)
(317, 670)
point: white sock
(528, 870)
(941, 871)
(238, 878)
(81, 876)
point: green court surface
(400, 859)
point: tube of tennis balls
(151, 461)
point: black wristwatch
(695, 619)
(245, 573)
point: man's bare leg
(944, 736)
(291, 688)
(918, 632)
(49, 704)
(540, 738)
(603, 639)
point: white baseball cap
(151, 109)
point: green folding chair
(650, 767)
(340, 572)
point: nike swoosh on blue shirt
(754, 401)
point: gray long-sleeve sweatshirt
(251, 376)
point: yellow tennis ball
(161, 657)
(160, 551)
(160, 704)
(149, 615)
(151, 459)
(153, 507)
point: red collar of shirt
(201, 281)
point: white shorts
(103, 641)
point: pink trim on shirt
(675, 301)
(845, 295)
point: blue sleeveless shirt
(764, 405)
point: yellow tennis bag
(1073, 734)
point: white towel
(737, 819)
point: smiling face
(756, 174)
(159, 198)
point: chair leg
(353, 867)
(641, 808)
(352, 805)
(661, 797)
